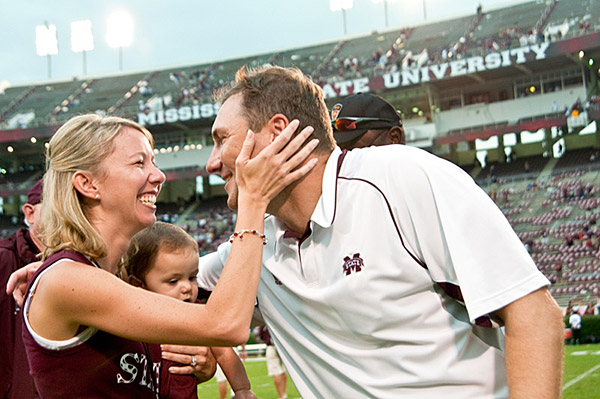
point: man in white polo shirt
(387, 270)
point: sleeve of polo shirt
(211, 266)
(461, 235)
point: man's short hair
(271, 90)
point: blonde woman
(89, 334)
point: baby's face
(174, 274)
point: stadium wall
(590, 328)
(174, 190)
(576, 141)
(528, 150)
(511, 111)
(181, 159)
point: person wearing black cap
(16, 251)
(362, 120)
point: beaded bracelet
(241, 233)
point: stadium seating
(549, 202)
(572, 14)
(523, 17)
(308, 58)
(438, 35)
(551, 217)
(44, 99)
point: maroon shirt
(16, 251)
(177, 386)
(105, 366)
(263, 334)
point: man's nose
(213, 165)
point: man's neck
(36, 240)
(296, 204)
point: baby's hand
(244, 394)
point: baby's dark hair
(145, 245)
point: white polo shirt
(352, 306)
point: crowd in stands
(210, 225)
(197, 86)
(556, 218)
(368, 56)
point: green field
(262, 384)
(581, 377)
(582, 372)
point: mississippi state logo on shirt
(352, 264)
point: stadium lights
(120, 32)
(177, 148)
(46, 43)
(343, 5)
(82, 39)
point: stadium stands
(520, 18)
(556, 220)
(553, 203)
(309, 58)
(42, 100)
(572, 19)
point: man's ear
(396, 135)
(276, 124)
(85, 185)
(28, 211)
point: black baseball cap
(368, 111)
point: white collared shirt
(353, 308)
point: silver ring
(194, 362)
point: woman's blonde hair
(79, 145)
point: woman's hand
(276, 166)
(196, 360)
(17, 282)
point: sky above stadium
(179, 32)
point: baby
(164, 259)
